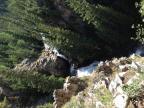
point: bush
(133, 90)
(104, 96)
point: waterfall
(54, 50)
(59, 55)
(86, 71)
(140, 50)
(80, 72)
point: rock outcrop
(114, 84)
(48, 63)
(71, 87)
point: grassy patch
(104, 95)
(74, 103)
(134, 89)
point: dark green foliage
(30, 81)
(18, 34)
(139, 26)
(109, 24)
(13, 50)
(68, 42)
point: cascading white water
(86, 71)
(80, 72)
(83, 71)
(59, 55)
(140, 50)
(54, 50)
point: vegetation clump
(135, 89)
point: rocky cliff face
(117, 83)
(48, 63)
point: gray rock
(47, 63)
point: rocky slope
(117, 83)
(50, 62)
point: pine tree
(93, 29)
(30, 81)
(110, 24)
(17, 35)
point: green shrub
(104, 96)
(134, 89)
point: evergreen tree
(17, 35)
(33, 81)
(110, 24)
(92, 29)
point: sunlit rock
(121, 101)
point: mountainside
(46, 42)
(81, 30)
